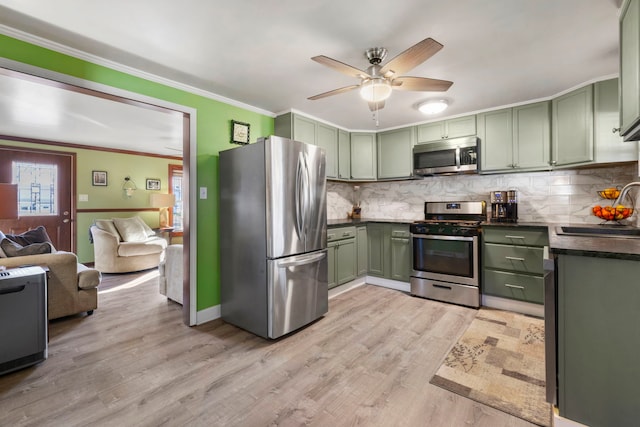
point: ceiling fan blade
(411, 58)
(421, 84)
(340, 66)
(334, 92)
(375, 106)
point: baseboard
(388, 283)
(208, 314)
(360, 281)
(513, 305)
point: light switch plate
(83, 197)
(203, 192)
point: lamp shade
(8, 201)
(162, 200)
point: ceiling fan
(378, 81)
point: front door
(46, 186)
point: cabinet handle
(514, 286)
(614, 130)
(552, 162)
(345, 234)
(512, 258)
(513, 237)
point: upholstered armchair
(171, 273)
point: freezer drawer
(298, 291)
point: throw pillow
(35, 235)
(130, 229)
(147, 229)
(13, 249)
(2, 237)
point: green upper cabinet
(344, 155)
(363, 156)
(307, 130)
(327, 138)
(452, 128)
(572, 128)
(630, 69)
(515, 139)
(609, 145)
(395, 153)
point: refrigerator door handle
(299, 195)
(302, 260)
(307, 199)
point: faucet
(624, 192)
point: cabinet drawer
(514, 286)
(334, 234)
(522, 236)
(523, 259)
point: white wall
(558, 196)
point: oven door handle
(439, 237)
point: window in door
(175, 180)
(37, 188)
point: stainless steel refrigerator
(273, 236)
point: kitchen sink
(600, 231)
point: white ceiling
(497, 52)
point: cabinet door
(462, 126)
(344, 155)
(304, 130)
(431, 132)
(346, 261)
(629, 66)
(395, 153)
(531, 136)
(362, 249)
(375, 240)
(572, 127)
(609, 146)
(496, 140)
(331, 264)
(401, 258)
(327, 138)
(363, 156)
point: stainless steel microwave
(459, 155)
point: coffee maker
(504, 206)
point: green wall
(213, 130)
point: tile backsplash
(557, 196)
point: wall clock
(239, 132)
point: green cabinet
(445, 129)
(512, 262)
(342, 253)
(572, 128)
(344, 155)
(363, 156)
(609, 146)
(395, 153)
(307, 130)
(598, 340)
(389, 251)
(630, 69)
(515, 139)
(362, 264)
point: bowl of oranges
(609, 193)
(612, 213)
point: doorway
(46, 186)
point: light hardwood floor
(133, 363)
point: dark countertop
(515, 224)
(332, 223)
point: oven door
(446, 258)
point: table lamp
(163, 202)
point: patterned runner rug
(499, 361)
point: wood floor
(133, 363)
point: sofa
(123, 245)
(71, 287)
(171, 277)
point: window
(37, 188)
(175, 180)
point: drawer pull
(514, 237)
(346, 234)
(514, 286)
(441, 286)
(513, 258)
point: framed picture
(239, 132)
(153, 184)
(99, 178)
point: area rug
(499, 361)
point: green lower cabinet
(362, 249)
(389, 251)
(401, 258)
(331, 265)
(598, 340)
(376, 244)
(342, 255)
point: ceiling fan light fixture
(433, 107)
(375, 90)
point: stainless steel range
(446, 257)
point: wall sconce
(163, 202)
(129, 186)
(9, 197)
